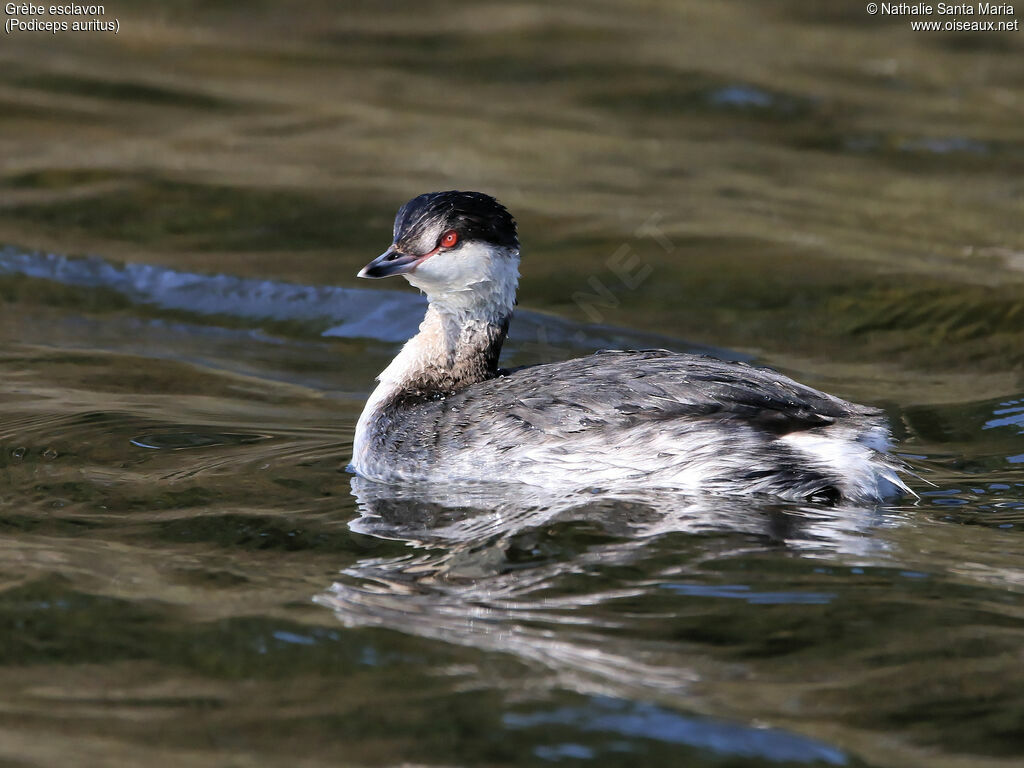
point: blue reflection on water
(558, 751)
(742, 96)
(647, 721)
(743, 592)
(294, 639)
(1011, 413)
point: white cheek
(452, 271)
(475, 278)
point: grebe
(444, 411)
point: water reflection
(466, 514)
(846, 203)
(674, 615)
(611, 717)
(565, 580)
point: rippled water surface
(189, 576)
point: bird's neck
(460, 338)
(451, 351)
(458, 344)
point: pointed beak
(391, 262)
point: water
(190, 577)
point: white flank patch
(861, 463)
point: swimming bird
(444, 411)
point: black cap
(474, 215)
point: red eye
(449, 238)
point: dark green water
(188, 576)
